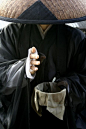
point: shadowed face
(44, 26)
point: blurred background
(3, 24)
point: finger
(32, 72)
(34, 68)
(33, 62)
(33, 56)
(33, 50)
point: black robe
(65, 51)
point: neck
(44, 27)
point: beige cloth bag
(50, 95)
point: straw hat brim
(43, 11)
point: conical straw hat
(43, 11)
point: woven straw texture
(14, 8)
(61, 9)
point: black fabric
(23, 21)
(37, 11)
(65, 51)
(1, 127)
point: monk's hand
(34, 62)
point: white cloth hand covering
(28, 65)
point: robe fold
(65, 51)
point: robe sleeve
(75, 78)
(11, 67)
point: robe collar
(43, 33)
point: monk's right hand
(34, 62)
